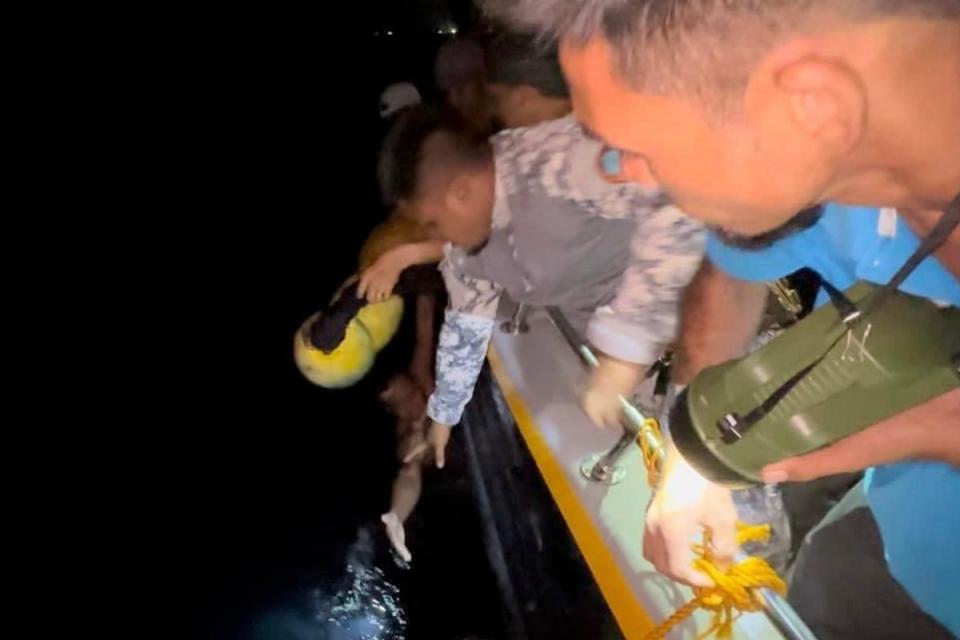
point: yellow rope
(651, 455)
(733, 590)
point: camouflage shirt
(562, 235)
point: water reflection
(363, 605)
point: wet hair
(693, 46)
(405, 169)
(522, 59)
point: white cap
(396, 97)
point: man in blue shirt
(907, 511)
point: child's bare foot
(396, 535)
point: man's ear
(824, 99)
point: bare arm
(930, 431)
(719, 317)
(379, 279)
(422, 252)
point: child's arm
(379, 279)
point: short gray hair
(668, 46)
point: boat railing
(604, 468)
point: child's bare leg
(406, 493)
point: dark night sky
(418, 14)
(257, 461)
(285, 227)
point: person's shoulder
(534, 160)
(526, 139)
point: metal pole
(517, 323)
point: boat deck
(541, 378)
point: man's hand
(685, 504)
(379, 279)
(437, 438)
(930, 431)
(608, 382)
